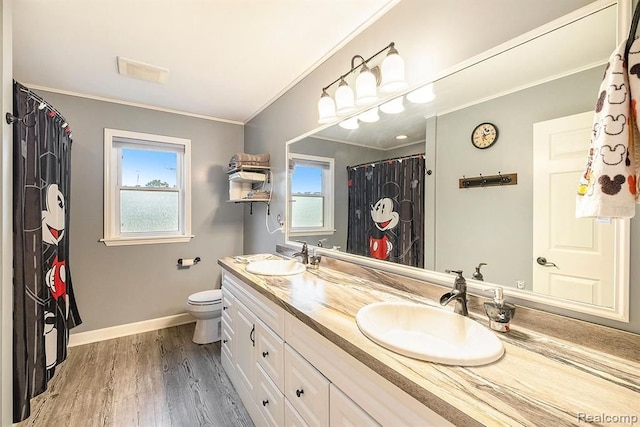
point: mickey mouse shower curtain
(44, 307)
(386, 210)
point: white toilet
(206, 306)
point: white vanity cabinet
(256, 361)
(289, 375)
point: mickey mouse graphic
(384, 219)
(53, 231)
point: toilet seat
(210, 297)
(206, 307)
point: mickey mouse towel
(609, 185)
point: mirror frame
(620, 309)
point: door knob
(543, 262)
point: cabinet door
(306, 388)
(291, 417)
(270, 353)
(244, 356)
(344, 412)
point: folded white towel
(608, 187)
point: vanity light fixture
(422, 95)
(366, 85)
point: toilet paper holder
(188, 262)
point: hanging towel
(608, 186)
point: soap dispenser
(500, 313)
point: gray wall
(431, 37)
(407, 150)
(494, 224)
(125, 284)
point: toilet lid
(204, 297)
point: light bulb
(392, 71)
(326, 108)
(366, 87)
(394, 106)
(345, 102)
(350, 124)
(370, 116)
(422, 95)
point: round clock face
(484, 135)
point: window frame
(114, 141)
(328, 193)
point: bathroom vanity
(292, 349)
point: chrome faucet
(458, 293)
(304, 253)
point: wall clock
(484, 135)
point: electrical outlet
(520, 284)
(280, 220)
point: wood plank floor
(158, 378)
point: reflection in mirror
(536, 93)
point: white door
(582, 249)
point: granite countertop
(541, 379)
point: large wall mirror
(539, 91)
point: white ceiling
(227, 59)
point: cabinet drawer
(269, 399)
(291, 417)
(270, 354)
(306, 388)
(227, 306)
(345, 412)
(227, 340)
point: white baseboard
(129, 329)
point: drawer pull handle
(252, 335)
(299, 392)
(225, 341)
(265, 353)
(265, 402)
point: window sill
(128, 241)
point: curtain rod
(401, 158)
(43, 104)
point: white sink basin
(429, 333)
(276, 267)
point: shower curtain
(44, 306)
(386, 210)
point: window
(311, 189)
(147, 188)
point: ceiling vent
(142, 71)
